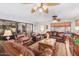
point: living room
(39, 29)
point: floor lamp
(7, 33)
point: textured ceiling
(22, 12)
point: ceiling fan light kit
(40, 10)
(43, 6)
(46, 11)
(40, 6)
(35, 8)
(55, 18)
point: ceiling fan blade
(55, 18)
(52, 4)
(58, 19)
(32, 10)
(46, 11)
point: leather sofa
(14, 49)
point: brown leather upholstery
(23, 39)
(60, 37)
(76, 50)
(14, 49)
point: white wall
(22, 13)
(72, 28)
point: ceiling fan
(55, 18)
(43, 7)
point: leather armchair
(24, 40)
(16, 49)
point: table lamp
(7, 33)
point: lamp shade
(13, 29)
(7, 33)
